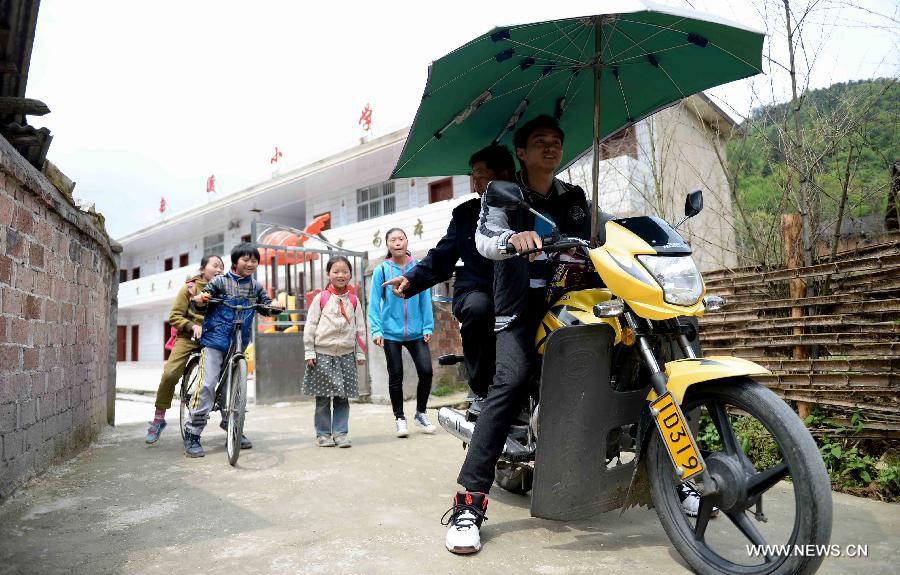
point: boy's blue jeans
(335, 425)
(204, 396)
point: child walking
(402, 322)
(333, 341)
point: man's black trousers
(475, 311)
(508, 393)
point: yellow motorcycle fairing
(683, 373)
(624, 275)
(575, 308)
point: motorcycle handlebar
(562, 244)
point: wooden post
(792, 230)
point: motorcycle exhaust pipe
(455, 424)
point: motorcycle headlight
(677, 275)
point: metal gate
(292, 270)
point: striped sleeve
(493, 232)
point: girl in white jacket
(333, 341)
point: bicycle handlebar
(256, 307)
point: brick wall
(57, 281)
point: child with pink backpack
(333, 339)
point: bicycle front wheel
(237, 403)
(190, 381)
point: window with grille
(375, 201)
(214, 245)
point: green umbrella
(614, 69)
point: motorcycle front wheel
(759, 450)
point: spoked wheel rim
(236, 404)
(189, 382)
(744, 482)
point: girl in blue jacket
(402, 322)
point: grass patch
(448, 384)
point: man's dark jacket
(476, 273)
(566, 205)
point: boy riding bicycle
(237, 287)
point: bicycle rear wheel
(190, 380)
(237, 402)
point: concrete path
(291, 507)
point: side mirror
(506, 195)
(693, 205)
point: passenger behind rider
(473, 298)
(237, 287)
(519, 292)
(186, 323)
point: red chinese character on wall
(276, 156)
(365, 120)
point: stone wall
(58, 280)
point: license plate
(679, 442)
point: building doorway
(134, 342)
(440, 190)
(121, 334)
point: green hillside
(856, 120)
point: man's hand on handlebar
(398, 286)
(201, 299)
(524, 241)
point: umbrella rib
(559, 56)
(612, 28)
(414, 154)
(671, 80)
(587, 38)
(628, 59)
(532, 84)
(570, 39)
(639, 45)
(550, 93)
(736, 57)
(457, 77)
(564, 35)
(624, 99)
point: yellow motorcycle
(626, 412)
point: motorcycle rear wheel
(726, 548)
(514, 478)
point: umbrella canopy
(629, 64)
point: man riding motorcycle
(473, 303)
(519, 294)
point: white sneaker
(467, 514)
(690, 500)
(424, 423)
(402, 429)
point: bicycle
(232, 384)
